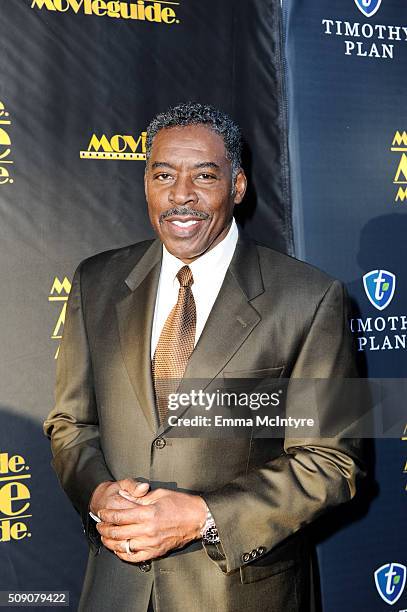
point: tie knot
(185, 277)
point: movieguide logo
(14, 498)
(142, 10)
(119, 146)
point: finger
(125, 516)
(114, 545)
(147, 499)
(138, 557)
(123, 532)
(134, 488)
(129, 497)
(150, 497)
(119, 502)
(137, 545)
(157, 494)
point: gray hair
(193, 113)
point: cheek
(150, 210)
(153, 195)
(154, 209)
(223, 211)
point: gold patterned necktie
(175, 344)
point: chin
(183, 255)
(183, 251)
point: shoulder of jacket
(290, 271)
(122, 259)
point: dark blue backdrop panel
(345, 74)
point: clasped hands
(150, 522)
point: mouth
(189, 223)
(183, 226)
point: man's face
(188, 185)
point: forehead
(191, 142)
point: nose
(182, 192)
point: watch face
(211, 536)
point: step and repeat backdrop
(318, 90)
(80, 80)
(346, 63)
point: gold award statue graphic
(59, 293)
(399, 145)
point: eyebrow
(206, 164)
(162, 165)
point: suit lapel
(231, 320)
(135, 315)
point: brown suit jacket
(273, 316)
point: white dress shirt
(208, 271)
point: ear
(240, 186)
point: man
(196, 523)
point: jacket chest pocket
(265, 373)
(252, 379)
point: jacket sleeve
(259, 509)
(72, 425)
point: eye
(206, 176)
(163, 176)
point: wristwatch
(209, 533)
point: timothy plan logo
(390, 581)
(368, 7)
(380, 333)
(361, 38)
(379, 287)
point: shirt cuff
(95, 518)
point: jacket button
(254, 554)
(159, 443)
(246, 557)
(145, 566)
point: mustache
(183, 211)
